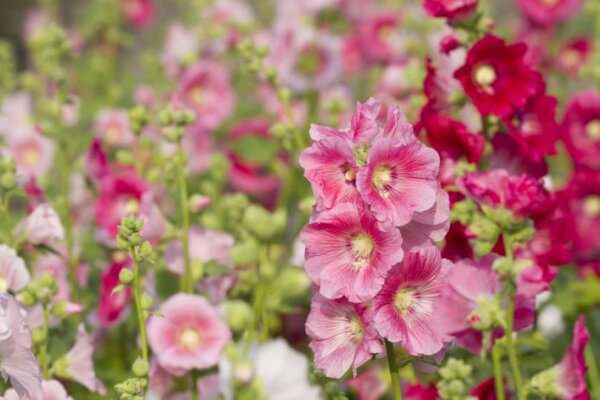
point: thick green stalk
(394, 370)
(593, 372)
(187, 280)
(499, 380)
(137, 296)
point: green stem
(394, 370)
(137, 295)
(499, 381)
(193, 387)
(187, 280)
(593, 372)
(43, 349)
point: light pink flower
(51, 390)
(399, 179)
(14, 276)
(16, 115)
(43, 226)
(79, 362)
(16, 360)
(206, 90)
(342, 336)
(407, 308)
(205, 245)
(140, 13)
(32, 153)
(430, 225)
(112, 126)
(181, 46)
(348, 253)
(187, 333)
(154, 221)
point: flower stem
(593, 372)
(44, 357)
(187, 281)
(394, 370)
(137, 296)
(499, 381)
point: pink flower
(399, 179)
(112, 305)
(14, 276)
(379, 37)
(120, 195)
(198, 144)
(452, 139)
(581, 129)
(43, 226)
(16, 360)
(348, 253)
(428, 226)
(16, 115)
(496, 77)
(97, 164)
(181, 46)
(78, 362)
(369, 385)
(450, 9)
(342, 336)
(574, 54)
(155, 224)
(187, 333)
(140, 13)
(544, 12)
(51, 390)
(407, 308)
(206, 90)
(33, 154)
(205, 245)
(112, 126)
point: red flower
(452, 139)
(496, 77)
(486, 390)
(549, 12)
(534, 128)
(449, 8)
(582, 129)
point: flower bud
(245, 252)
(239, 315)
(140, 367)
(126, 276)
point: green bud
(267, 269)
(124, 157)
(140, 367)
(293, 282)
(27, 298)
(147, 301)
(245, 252)
(8, 181)
(239, 315)
(126, 276)
(260, 222)
(165, 117)
(146, 252)
(38, 335)
(545, 384)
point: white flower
(43, 226)
(14, 275)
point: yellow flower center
(197, 97)
(356, 329)
(189, 339)
(592, 129)
(382, 176)
(485, 75)
(570, 58)
(113, 133)
(3, 284)
(550, 3)
(350, 175)
(591, 206)
(132, 206)
(403, 300)
(362, 248)
(31, 155)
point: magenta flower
(14, 275)
(546, 12)
(139, 13)
(187, 333)
(112, 126)
(450, 9)
(574, 54)
(406, 311)
(112, 304)
(399, 179)
(342, 335)
(43, 226)
(581, 129)
(348, 253)
(496, 77)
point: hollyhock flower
(450, 9)
(399, 179)
(486, 390)
(16, 360)
(369, 385)
(452, 139)
(205, 245)
(181, 46)
(248, 169)
(43, 226)
(567, 380)
(140, 13)
(307, 59)
(534, 127)
(16, 115)
(14, 276)
(511, 156)
(574, 54)
(342, 336)
(97, 164)
(205, 89)
(51, 390)
(78, 365)
(112, 126)
(406, 309)
(112, 304)
(56, 265)
(120, 195)
(456, 244)
(198, 145)
(428, 226)
(32, 153)
(421, 392)
(379, 37)
(549, 12)
(348, 253)
(283, 372)
(154, 221)
(523, 195)
(496, 78)
(581, 127)
(187, 333)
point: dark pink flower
(348, 253)
(377, 39)
(342, 336)
(452, 139)
(418, 391)
(574, 54)
(112, 304)
(512, 157)
(140, 13)
(549, 12)
(496, 77)
(581, 127)
(406, 309)
(449, 8)
(486, 390)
